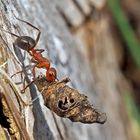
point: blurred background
(110, 33)
(97, 44)
(117, 29)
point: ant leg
(11, 53)
(39, 32)
(40, 50)
(34, 78)
(36, 50)
(33, 69)
(23, 90)
(9, 32)
(66, 80)
(22, 71)
(17, 73)
(23, 87)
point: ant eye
(38, 77)
(51, 74)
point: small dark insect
(28, 44)
(68, 102)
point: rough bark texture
(76, 43)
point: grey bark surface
(69, 55)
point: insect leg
(40, 50)
(9, 32)
(33, 69)
(23, 90)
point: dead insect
(68, 102)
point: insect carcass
(68, 102)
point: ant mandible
(28, 44)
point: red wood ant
(28, 44)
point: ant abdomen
(25, 42)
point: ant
(28, 44)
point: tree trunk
(75, 39)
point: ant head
(51, 74)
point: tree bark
(75, 41)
